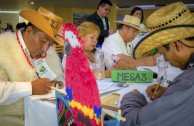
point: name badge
(43, 69)
(135, 76)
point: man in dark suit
(100, 19)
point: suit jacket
(95, 18)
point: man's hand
(124, 65)
(154, 95)
(41, 86)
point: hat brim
(41, 23)
(131, 25)
(161, 37)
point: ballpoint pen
(158, 85)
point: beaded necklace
(27, 58)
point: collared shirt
(104, 23)
(190, 62)
(95, 18)
(24, 46)
(114, 45)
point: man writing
(28, 65)
(172, 33)
(118, 44)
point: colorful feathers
(81, 86)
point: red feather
(79, 78)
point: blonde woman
(89, 32)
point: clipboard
(109, 101)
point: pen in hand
(158, 85)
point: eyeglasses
(107, 10)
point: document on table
(49, 96)
(140, 87)
(104, 85)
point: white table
(40, 113)
(43, 113)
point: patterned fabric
(64, 115)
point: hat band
(53, 23)
(58, 36)
(134, 25)
(170, 21)
(169, 27)
(158, 30)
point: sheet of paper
(49, 96)
(104, 85)
(140, 87)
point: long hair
(136, 9)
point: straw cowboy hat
(46, 21)
(167, 24)
(131, 21)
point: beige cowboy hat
(132, 21)
(46, 21)
(167, 24)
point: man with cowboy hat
(119, 44)
(172, 33)
(28, 65)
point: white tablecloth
(39, 112)
(43, 113)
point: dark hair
(21, 25)
(103, 2)
(190, 38)
(136, 9)
(167, 46)
(119, 26)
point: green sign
(136, 76)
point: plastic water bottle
(162, 70)
(99, 60)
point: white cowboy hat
(131, 21)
